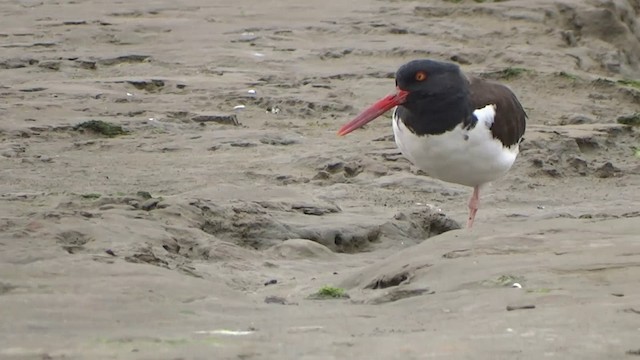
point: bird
(455, 127)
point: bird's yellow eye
(421, 76)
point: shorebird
(455, 127)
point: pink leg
(473, 205)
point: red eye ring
(421, 76)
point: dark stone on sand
(231, 119)
(520, 307)
(271, 282)
(87, 214)
(460, 59)
(607, 170)
(150, 204)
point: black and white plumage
(454, 127)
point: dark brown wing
(510, 121)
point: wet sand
(204, 231)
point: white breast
(467, 157)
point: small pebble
(238, 107)
(271, 282)
(516, 285)
(252, 92)
(150, 204)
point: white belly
(467, 157)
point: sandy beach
(208, 217)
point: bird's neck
(436, 114)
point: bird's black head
(430, 79)
(431, 97)
(437, 96)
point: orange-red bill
(380, 107)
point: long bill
(380, 107)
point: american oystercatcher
(456, 128)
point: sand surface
(198, 235)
